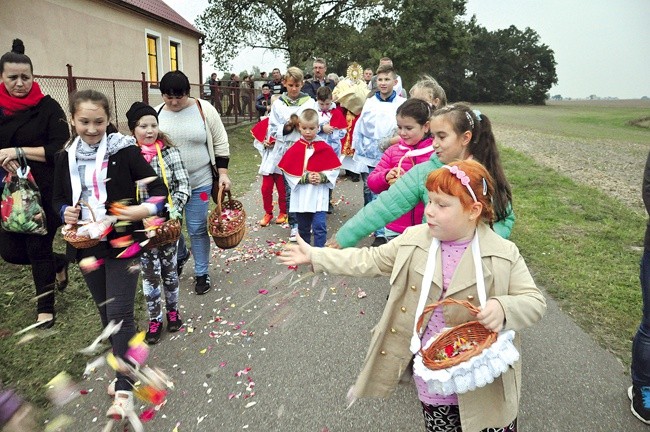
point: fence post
(72, 83)
(145, 90)
(117, 121)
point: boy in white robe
(310, 167)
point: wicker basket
(471, 331)
(166, 233)
(227, 233)
(80, 242)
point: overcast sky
(601, 47)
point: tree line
(473, 64)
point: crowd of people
(435, 196)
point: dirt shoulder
(615, 168)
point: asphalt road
(304, 341)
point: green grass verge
(582, 246)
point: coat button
(383, 352)
(413, 288)
(403, 309)
(470, 298)
(392, 330)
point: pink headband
(464, 179)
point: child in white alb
(310, 167)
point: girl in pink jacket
(415, 146)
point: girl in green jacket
(461, 133)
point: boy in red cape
(310, 167)
(271, 175)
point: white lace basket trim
(471, 374)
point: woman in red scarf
(35, 123)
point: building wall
(97, 38)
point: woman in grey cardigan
(195, 127)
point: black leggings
(117, 282)
(35, 251)
(446, 418)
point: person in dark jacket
(98, 178)
(276, 84)
(263, 101)
(34, 124)
(318, 80)
(639, 392)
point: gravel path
(615, 168)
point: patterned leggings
(446, 418)
(159, 271)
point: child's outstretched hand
(492, 316)
(296, 254)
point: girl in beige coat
(458, 215)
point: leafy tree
(431, 38)
(286, 26)
(509, 66)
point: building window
(152, 59)
(174, 49)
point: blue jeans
(368, 197)
(641, 345)
(316, 222)
(196, 220)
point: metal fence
(122, 93)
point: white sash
(427, 279)
(97, 197)
(411, 152)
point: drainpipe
(201, 42)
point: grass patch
(582, 246)
(244, 159)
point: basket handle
(399, 164)
(220, 200)
(92, 213)
(445, 301)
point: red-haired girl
(454, 255)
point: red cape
(338, 119)
(260, 130)
(323, 159)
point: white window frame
(179, 52)
(151, 33)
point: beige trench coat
(507, 280)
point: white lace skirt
(471, 374)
